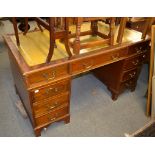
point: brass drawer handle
(53, 106)
(56, 89)
(135, 62)
(115, 56)
(132, 74)
(138, 49)
(144, 56)
(48, 91)
(54, 118)
(53, 75)
(128, 84)
(48, 77)
(87, 65)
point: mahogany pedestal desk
(45, 88)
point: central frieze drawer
(85, 64)
(49, 74)
(47, 91)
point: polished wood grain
(135, 61)
(50, 104)
(139, 47)
(52, 116)
(50, 90)
(49, 74)
(83, 65)
(127, 75)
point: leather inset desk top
(35, 45)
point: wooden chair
(147, 26)
(14, 21)
(107, 39)
(50, 26)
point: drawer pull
(115, 56)
(36, 91)
(53, 106)
(144, 56)
(132, 74)
(128, 84)
(48, 77)
(52, 90)
(54, 118)
(53, 75)
(87, 65)
(138, 50)
(135, 62)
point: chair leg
(112, 26)
(147, 25)
(121, 29)
(76, 45)
(52, 39)
(16, 30)
(66, 38)
(26, 25)
(39, 27)
(50, 54)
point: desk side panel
(20, 84)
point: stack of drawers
(49, 95)
(124, 74)
(131, 70)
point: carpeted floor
(93, 113)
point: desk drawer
(85, 64)
(139, 48)
(135, 61)
(50, 90)
(52, 116)
(46, 106)
(130, 74)
(47, 75)
(128, 84)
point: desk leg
(114, 96)
(67, 120)
(37, 132)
